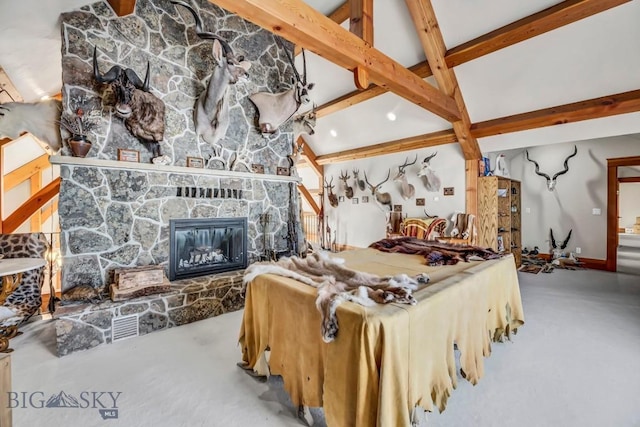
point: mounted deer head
(333, 199)
(357, 181)
(431, 180)
(382, 198)
(551, 182)
(275, 109)
(407, 190)
(211, 115)
(348, 189)
(305, 123)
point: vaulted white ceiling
(590, 58)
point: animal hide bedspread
(337, 283)
(434, 252)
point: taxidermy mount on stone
(143, 112)
(211, 115)
(38, 118)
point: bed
(389, 358)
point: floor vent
(124, 327)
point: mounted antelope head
(555, 251)
(551, 182)
(382, 198)
(304, 123)
(211, 114)
(357, 181)
(276, 108)
(431, 180)
(347, 188)
(333, 199)
(407, 190)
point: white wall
(577, 192)
(363, 223)
(629, 203)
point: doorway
(613, 211)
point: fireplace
(201, 246)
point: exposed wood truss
(309, 197)
(31, 206)
(361, 24)
(405, 144)
(301, 24)
(621, 103)
(549, 19)
(338, 16)
(424, 19)
(421, 69)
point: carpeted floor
(576, 362)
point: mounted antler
(407, 189)
(431, 180)
(555, 252)
(348, 189)
(551, 182)
(333, 199)
(357, 181)
(382, 198)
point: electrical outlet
(578, 250)
(596, 211)
(528, 210)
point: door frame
(612, 206)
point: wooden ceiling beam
(621, 103)
(301, 24)
(557, 16)
(421, 69)
(549, 19)
(390, 147)
(309, 198)
(123, 7)
(361, 24)
(426, 23)
(338, 16)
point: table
(11, 270)
(388, 358)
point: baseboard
(339, 247)
(594, 264)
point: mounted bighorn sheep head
(333, 199)
(143, 112)
(276, 108)
(431, 180)
(211, 114)
(357, 182)
(347, 188)
(407, 190)
(551, 182)
(382, 198)
(39, 119)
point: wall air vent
(124, 327)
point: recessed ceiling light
(333, 133)
(391, 116)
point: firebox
(201, 246)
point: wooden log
(122, 295)
(5, 388)
(135, 277)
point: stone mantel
(115, 164)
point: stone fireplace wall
(113, 217)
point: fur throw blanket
(337, 283)
(434, 252)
